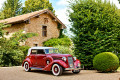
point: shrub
(24, 49)
(57, 42)
(11, 53)
(63, 43)
(10, 57)
(106, 62)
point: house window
(45, 20)
(44, 31)
(35, 45)
(27, 21)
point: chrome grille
(70, 61)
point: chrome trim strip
(72, 68)
(36, 68)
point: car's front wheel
(75, 71)
(57, 70)
(26, 67)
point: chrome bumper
(72, 68)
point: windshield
(48, 51)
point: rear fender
(27, 60)
(60, 62)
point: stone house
(42, 22)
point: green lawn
(119, 68)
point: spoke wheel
(57, 70)
(26, 66)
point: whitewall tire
(26, 67)
(57, 70)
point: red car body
(41, 58)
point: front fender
(76, 63)
(60, 62)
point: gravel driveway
(18, 73)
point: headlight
(75, 58)
(64, 59)
(78, 64)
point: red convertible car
(49, 59)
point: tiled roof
(24, 17)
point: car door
(40, 58)
(33, 57)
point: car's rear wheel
(26, 67)
(57, 70)
(75, 71)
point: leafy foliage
(64, 49)
(96, 26)
(11, 8)
(35, 5)
(119, 1)
(2, 16)
(106, 62)
(21, 37)
(119, 68)
(63, 43)
(1, 29)
(11, 53)
(57, 42)
(10, 56)
(24, 49)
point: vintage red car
(49, 59)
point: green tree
(95, 25)
(119, 1)
(35, 5)
(58, 41)
(11, 53)
(1, 29)
(11, 8)
(1, 15)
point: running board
(36, 68)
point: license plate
(71, 65)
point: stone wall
(35, 26)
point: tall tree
(1, 15)
(119, 1)
(96, 27)
(34, 5)
(11, 8)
